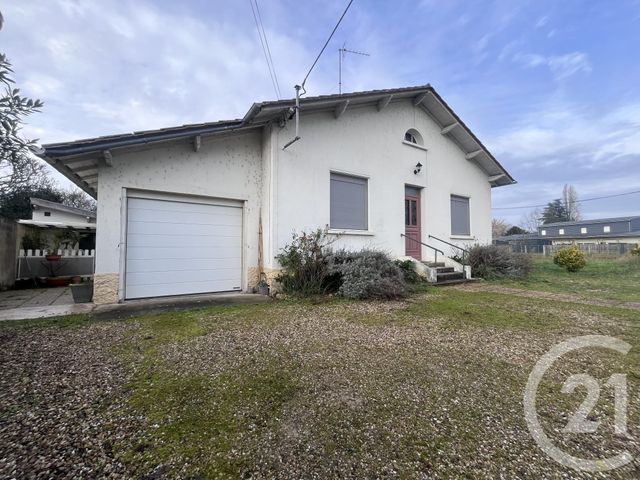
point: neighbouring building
(207, 207)
(599, 230)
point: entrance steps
(446, 275)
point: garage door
(177, 248)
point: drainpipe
(297, 107)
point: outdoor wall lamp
(418, 168)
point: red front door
(412, 224)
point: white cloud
(558, 133)
(542, 21)
(562, 66)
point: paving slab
(132, 308)
(35, 297)
(45, 311)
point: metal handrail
(464, 250)
(426, 245)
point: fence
(605, 249)
(33, 263)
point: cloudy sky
(551, 87)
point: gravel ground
(414, 389)
(57, 387)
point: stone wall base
(105, 288)
(270, 277)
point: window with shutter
(460, 223)
(348, 197)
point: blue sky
(550, 87)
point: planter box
(58, 281)
(82, 292)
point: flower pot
(53, 258)
(82, 292)
(58, 281)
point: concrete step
(451, 282)
(434, 264)
(445, 269)
(443, 277)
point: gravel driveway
(427, 388)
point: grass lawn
(602, 278)
(430, 387)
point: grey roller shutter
(460, 224)
(348, 202)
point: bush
(492, 261)
(368, 274)
(636, 250)
(571, 258)
(408, 271)
(310, 267)
(306, 263)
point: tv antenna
(342, 52)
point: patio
(35, 297)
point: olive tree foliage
(18, 166)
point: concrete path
(35, 297)
(131, 308)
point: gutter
(57, 152)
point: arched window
(413, 136)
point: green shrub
(492, 261)
(571, 258)
(636, 250)
(368, 274)
(33, 240)
(306, 263)
(408, 271)
(311, 267)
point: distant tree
(555, 212)
(532, 220)
(570, 202)
(515, 230)
(75, 197)
(17, 204)
(18, 166)
(498, 227)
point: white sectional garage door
(177, 248)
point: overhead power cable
(326, 43)
(577, 201)
(266, 42)
(265, 47)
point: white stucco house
(207, 207)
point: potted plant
(263, 287)
(56, 243)
(82, 292)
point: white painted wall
(289, 189)
(227, 168)
(57, 216)
(369, 143)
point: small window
(348, 202)
(561, 231)
(607, 229)
(413, 136)
(543, 232)
(583, 230)
(460, 223)
(47, 214)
